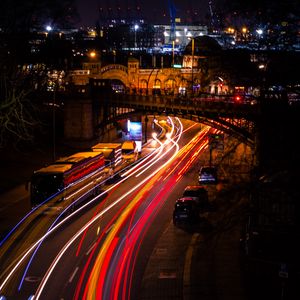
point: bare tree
(18, 85)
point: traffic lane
(116, 207)
(34, 275)
(126, 278)
(28, 221)
(32, 229)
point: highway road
(100, 250)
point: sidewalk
(201, 261)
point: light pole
(259, 32)
(136, 27)
(48, 29)
(114, 55)
(193, 48)
(173, 53)
(55, 82)
(54, 121)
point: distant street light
(114, 55)
(136, 27)
(48, 29)
(92, 54)
(259, 32)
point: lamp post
(54, 121)
(193, 48)
(48, 29)
(114, 55)
(173, 53)
(136, 27)
(54, 77)
(259, 32)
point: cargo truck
(112, 153)
(68, 178)
(129, 151)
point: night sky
(151, 10)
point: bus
(68, 178)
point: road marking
(187, 267)
(73, 275)
(32, 279)
(110, 228)
(88, 252)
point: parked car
(199, 194)
(208, 175)
(186, 210)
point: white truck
(129, 151)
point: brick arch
(170, 85)
(115, 71)
(143, 84)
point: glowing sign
(136, 133)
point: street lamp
(48, 29)
(114, 55)
(259, 32)
(193, 48)
(136, 27)
(173, 53)
(54, 77)
(54, 121)
(92, 54)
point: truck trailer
(112, 153)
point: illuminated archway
(156, 90)
(143, 86)
(170, 86)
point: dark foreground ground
(246, 249)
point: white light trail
(73, 239)
(34, 245)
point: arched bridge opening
(229, 119)
(115, 72)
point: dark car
(208, 175)
(186, 210)
(199, 194)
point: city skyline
(154, 11)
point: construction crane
(214, 19)
(172, 11)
